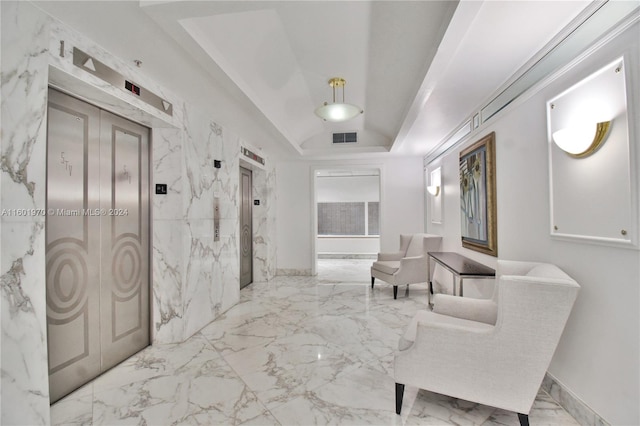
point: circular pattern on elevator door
(67, 280)
(126, 267)
(245, 243)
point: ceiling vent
(351, 137)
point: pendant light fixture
(337, 111)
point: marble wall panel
(200, 140)
(24, 370)
(167, 256)
(270, 235)
(227, 177)
(25, 374)
(226, 265)
(24, 87)
(226, 272)
(199, 301)
(168, 288)
(211, 267)
(264, 225)
(166, 169)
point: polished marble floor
(294, 351)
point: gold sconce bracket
(602, 130)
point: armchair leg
(523, 418)
(372, 280)
(399, 396)
(395, 291)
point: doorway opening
(347, 207)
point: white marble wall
(168, 218)
(264, 224)
(194, 277)
(211, 267)
(25, 385)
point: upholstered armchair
(497, 351)
(409, 265)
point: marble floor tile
(294, 351)
(434, 409)
(76, 409)
(358, 397)
(291, 366)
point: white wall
(335, 189)
(401, 210)
(598, 356)
(347, 247)
(402, 205)
(293, 217)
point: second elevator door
(246, 228)
(97, 241)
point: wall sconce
(582, 141)
(434, 190)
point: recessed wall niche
(593, 195)
(435, 200)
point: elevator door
(246, 228)
(97, 253)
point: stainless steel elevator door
(246, 228)
(97, 251)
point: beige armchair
(409, 265)
(499, 364)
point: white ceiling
(417, 68)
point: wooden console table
(461, 267)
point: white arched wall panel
(434, 179)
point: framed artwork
(478, 196)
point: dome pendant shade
(337, 111)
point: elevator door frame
(125, 128)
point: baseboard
(347, 256)
(571, 403)
(293, 272)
